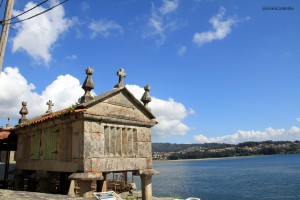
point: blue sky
(220, 71)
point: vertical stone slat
(130, 142)
(135, 143)
(112, 150)
(124, 142)
(118, 141)
(106, 140)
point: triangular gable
(118, 97)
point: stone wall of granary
(117, 136)
(52, 145)
(112, 147)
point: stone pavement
(24, 195)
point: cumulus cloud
(168, 113)
(14, 89)
(221, 28)
(242, 136)
(104, 28)
(42, 31)
(158, 24)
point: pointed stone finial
(121, 73)
(146, 98)
(8, 124)
(50, 104)
(23, 112)
(88, 85)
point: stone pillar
(19, 183)
(85, 189)
(102, 184)
(85, 182)
(71, 191)
(146, 182)
(44, 183)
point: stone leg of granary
(146, 181)
(85, 182)
(44, 183)
(102, 184)
(71, 191)
(85, 189)
(19, 181)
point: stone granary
(100, 135)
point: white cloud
(72, 57)
(168, 113)
(168, 6)
(158, 24)
(221, 29)
(104, 28)
(295, 130)
(37, 35)
(181, 50)
(84, 6)
(243, 136)
(14, 89)
(64, 91)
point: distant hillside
(172, 147)
(164, 151)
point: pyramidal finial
(50, 104)
(8, 123)
(121, 73)
(23, 112)
(88, 85)
(146, 98)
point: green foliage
(73, 106)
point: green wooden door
(50, 151)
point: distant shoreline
(220, 158)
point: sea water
(275, 177)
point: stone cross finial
(23, 112)
(88, 85)
(50, 104)
(146, 98)
(8, 124)
(121, 73)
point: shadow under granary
(105, 134)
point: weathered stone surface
(86, 176)
(146, 98)
(145, 149)
(144, 134)
(115, 164)
(119, 106)
(88, 85)
(23, 195)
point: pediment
(118, 103)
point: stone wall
(111, 147)
(59, 146)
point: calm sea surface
(262, 177)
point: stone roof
(49, 116)
(4, 133)
(83, 106)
